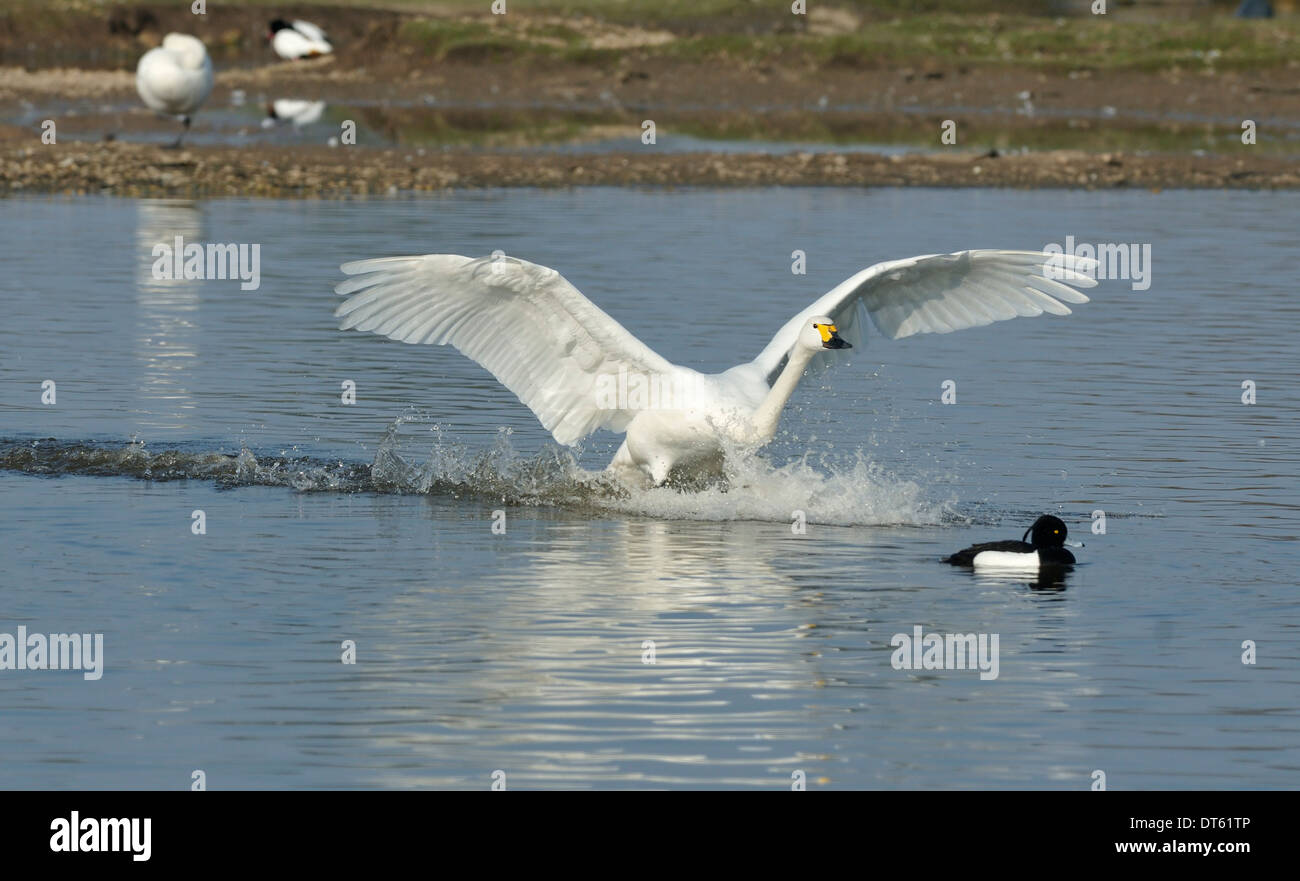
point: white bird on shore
(297, 39)
(175, 78)
(578, 369)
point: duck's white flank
(1006, 560)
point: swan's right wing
(940, 293)
(535, 332)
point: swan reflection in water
(167, 311)
(660, 633)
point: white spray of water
(844, 493)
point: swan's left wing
(535, 332)
(940, 293)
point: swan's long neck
(768, 415)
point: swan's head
(820, 332)
(189, 50)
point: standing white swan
(579, 370)
(175, 78)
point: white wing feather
(531, 329)
(940, 293)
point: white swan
(297, 39)
(175, 78)
(579, 370)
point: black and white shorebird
(296, 39)
(1045, 549)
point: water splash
(854, 493)
(857, 492)
(53, 457)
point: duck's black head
(1047, 532)
(278, 25)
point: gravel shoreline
(463, 83)
(125, 169)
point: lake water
(524, 652)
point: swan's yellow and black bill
(831, 338)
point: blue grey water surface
(525, 651)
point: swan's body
(175, 78)
(736, 408)
(576, 367)
(297, 39)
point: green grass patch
(444, 40)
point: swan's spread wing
(940, 293)
(535, 332)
